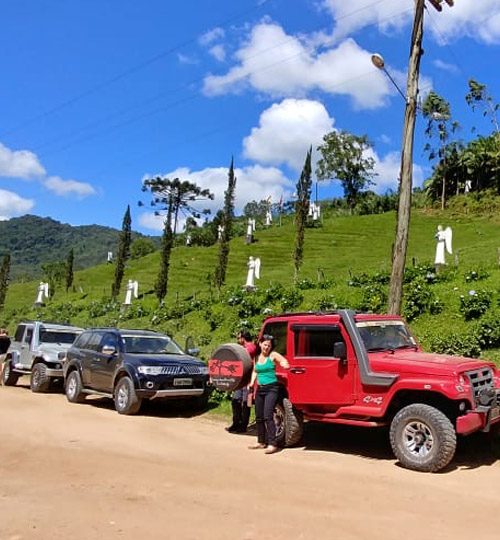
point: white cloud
(218, 52)
(253, 183)
(11, 204)
(151, 221)
(450, 68)
(19, 163)
(387, 169)
(286, 131)
(356, 14)
(284, 66)
(185, 59)
(212, 35)
(68, 187)
(479, 20)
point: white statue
(316, 212)
(253, 272)
(110, 257)
(132, 289)
(310, 209)
(188, 239)
(468, 186)
(43, 292)
(220, 231)
(444, 238)
(250, 230)
(269, 217)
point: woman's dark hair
(245, 335)
(267, 337)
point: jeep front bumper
(482, 419)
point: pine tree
(227, 226)
(123, 252)
(172, 197)
(4, 278)
(301, 209)
(69, 269)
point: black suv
(131, 365)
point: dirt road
(84, 472)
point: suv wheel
(289, 423)
(74, 387)
(9, 377)
(39, 380)
(423, 438)
(126, 400)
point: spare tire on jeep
(230, 367)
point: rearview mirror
(190, 347)
(339, 350)
(108, 350)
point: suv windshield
(151, 345)
(52, 336)
(385, 335)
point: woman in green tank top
(267, 393)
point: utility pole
(405, 181)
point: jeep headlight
(150, 370)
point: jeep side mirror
(109, 350)
(339, 350)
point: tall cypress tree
(301, 209)
(227, 224)
(123, 252)
(4, 278)
(70, 261)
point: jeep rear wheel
(9, 377)
(422, 438)
(126, 399)
(289, 424)
(74, 387)
(40, 382)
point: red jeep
(367, 370)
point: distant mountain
(33, 240)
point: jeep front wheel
(74, 388)
(9, 377)
(40, 382)
(126, 399)
(422, 438)
(289, 424)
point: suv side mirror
(108, 350)
(339, 350)
(190, 347)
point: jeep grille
(181, 370)
(481, 380)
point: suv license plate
(183, 382)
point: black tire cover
(230, 367)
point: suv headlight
(204, 370)
(150, 370)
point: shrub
(488, 331)
(419, 299)
(327, 303)
(363, 279)
(475, 275)
(374, 298)
(474, 304)
(273, 293)
(291, 299)
(457, 344)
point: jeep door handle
(298, 370)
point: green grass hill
(346, 264)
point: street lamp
(379, 63)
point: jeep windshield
(150, 345)
(53, 336)
(385, 335)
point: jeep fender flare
(12, 356)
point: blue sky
(96, 95)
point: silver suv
(37, 349)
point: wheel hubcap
(279, 421)
(71, 387)
(418, 438)
(122, 396)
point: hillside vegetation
(346, 264)
(33, 241)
